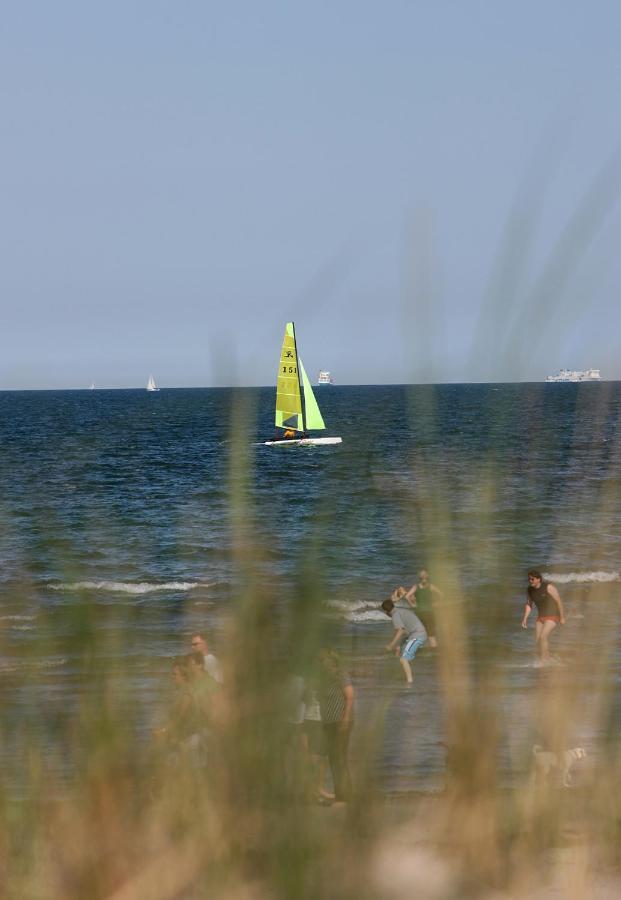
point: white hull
(575, 375)
(305, 442)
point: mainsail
(288, 396)
(313, 416)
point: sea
(152, 511)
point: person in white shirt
(212, 664)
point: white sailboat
(151, 385)
(296, 407)
(92, 387)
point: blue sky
(431, 190)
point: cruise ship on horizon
(576, 375)
(324, 377)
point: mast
(297, 367)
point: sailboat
(296, 407)
(92, 387)
(151, 385)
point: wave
(10, 618)
(123, 587)
(582, 577)
(351, 605)
(358, 610)
(368, 615)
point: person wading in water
(550, 611)
(423, 597)
(410, 634)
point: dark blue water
(138, 503)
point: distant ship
(324, 377)
(576, 375)
(151, 385)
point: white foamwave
(123, 587)
(17, 618)
(358, 610)
(582, 577)
(349, 605)
(367, 615)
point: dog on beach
(547, 760)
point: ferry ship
(576, 375)
(324, 377)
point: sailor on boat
(289, 435)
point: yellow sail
(288, 397)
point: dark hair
(388, 605)
(329, 658)
(533, 573)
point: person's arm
(436, 595)
(219, 710)
(411, 596)
(527, 611)
(552, 591)
(396, 640)
(348, 693)
(174, 726)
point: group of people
(412, 628)
(413, 617)
(319, 711)
(196, 706)
(321, 717)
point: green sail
(288, 397)
(314, 420)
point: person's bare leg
(407, 668)
(538, 630)
(546, 630)
(321, 791)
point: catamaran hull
(305, 442)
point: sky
(430, 190)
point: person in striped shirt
(336, 701)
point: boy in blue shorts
(410, 632)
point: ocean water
(120, 503)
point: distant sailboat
(92, 387)
(296, 406)
(151, 385)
